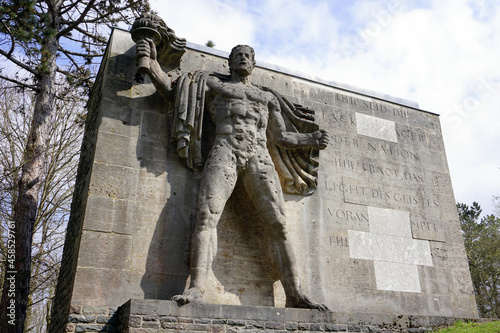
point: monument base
(158, 316)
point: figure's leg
(265, 191)
(217, 184)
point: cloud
(198, 21)
(443, 54)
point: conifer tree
(482, 242)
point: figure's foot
(192, 295)
(304, 301)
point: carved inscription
(343, 163)
(377, 169)
(425, 226)
(430, 228)
(393, 150)
(345, 99)
(348, 215)
(409, 134)
(344, 141)
(342, 118)
(400, 113)
(339, 241)
(391, 172)
(377, 192)
(378, 107)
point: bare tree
(16, 111)
(46, 42)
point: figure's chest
(239, 109)
(238, 91)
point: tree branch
(103, 16)
(83, 55)
(78, 21)
(86, 33)
(18, 82)
(72, 60)
(62, 71)
(98, 18)
(18, 63)
(65, 9)
(79, 41)
(11, 37)
(73, 24)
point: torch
(144, 28)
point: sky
(443, 54)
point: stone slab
(139, 314)
(377, 247)
(397, 277)
(376, 127)
(389, 222)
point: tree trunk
(14, 302)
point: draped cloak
(297, 167)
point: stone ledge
(142, 316)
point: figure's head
(242, 59)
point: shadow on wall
(160, 194)
(173, 189)
(242, 270)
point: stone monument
(208, 181)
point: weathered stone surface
(73, 318)
(115, 250)
(90, 328)
(135, 206)
(376, 127)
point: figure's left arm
(318, 139)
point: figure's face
(243, 62)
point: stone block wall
(165, 316)
(92, 319)
(155, 316)
(379, 235)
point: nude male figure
(242, 114)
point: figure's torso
(241, 115)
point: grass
(470, 327)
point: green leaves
(482, 243)
(19, 16)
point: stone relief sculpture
(261, 138)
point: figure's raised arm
(318, 139)
(146, 49)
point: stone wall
(92, 319)
(379, 235)
(148, 316)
